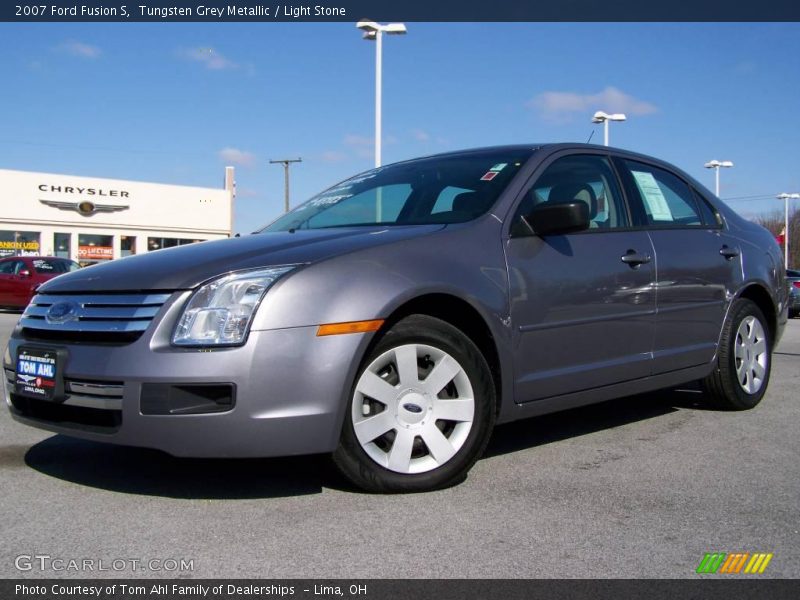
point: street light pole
(374, 31)
(716, 164)
(604, 118)
(285, 162)
(786, 197)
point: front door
(582, 304)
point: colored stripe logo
(734, 563)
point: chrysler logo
(62, 312)
(85, 207)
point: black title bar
(400, 10)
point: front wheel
(421, 410)
(744, 359)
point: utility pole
(285, 162)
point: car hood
(185, 267)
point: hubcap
(413, 408)
(750, 353)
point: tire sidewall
(739, 398)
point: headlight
(219, 312)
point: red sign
(95, 252)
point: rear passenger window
(667, 200)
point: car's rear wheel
(744, 359)
(421, 410)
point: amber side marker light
(350, 327)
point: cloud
(79, 49)
(208, 57)
(562, 106)
(333, 156)
(247, 193)
(420, 135)
(237, 157)
(363, 146)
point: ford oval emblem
(62, 312)
(412, 408)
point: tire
(435, 391)
(744, 359)
(793, 314)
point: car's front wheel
(744, 359)
(421, 410)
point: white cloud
(333, 156)
(79, 49)
(420, 135)
(208, 57)
(237, 157)
(562, 106)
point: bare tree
(775, 223)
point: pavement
(640, 487)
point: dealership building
(90, 219)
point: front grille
(91, 318)
(88, 405)
(67, 415)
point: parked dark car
(793, 277)
(396, 317)
(21, 275)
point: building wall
(120, 211)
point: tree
(774, 222)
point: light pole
(601, 117)
(374, 31)
(285, 162)
(786, 197)
(716, 164)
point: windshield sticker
(499, 167)
(489, 175)
(41, 264)
(653, 196)
(329, 200)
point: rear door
(582, 304)
(698, 265)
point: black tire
(723, 387)
(793, 314)
(362, 469)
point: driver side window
(583, 178)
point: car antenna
(590, 137)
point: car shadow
(546, 429)
(154, 473)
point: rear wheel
(421, 410)
(744, 359)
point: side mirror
(24, 273)
(560, 218)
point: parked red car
(21, 275)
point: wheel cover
(750, 354)
(413, 408)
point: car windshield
(442, 189)
(54, 265)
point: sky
(177, 102)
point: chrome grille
(110, 318)
(89, 394)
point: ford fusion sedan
(20, 276)
(395, 318)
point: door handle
(633, 259)
(729, 252)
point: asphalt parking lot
(637, 487)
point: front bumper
(291, 389)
